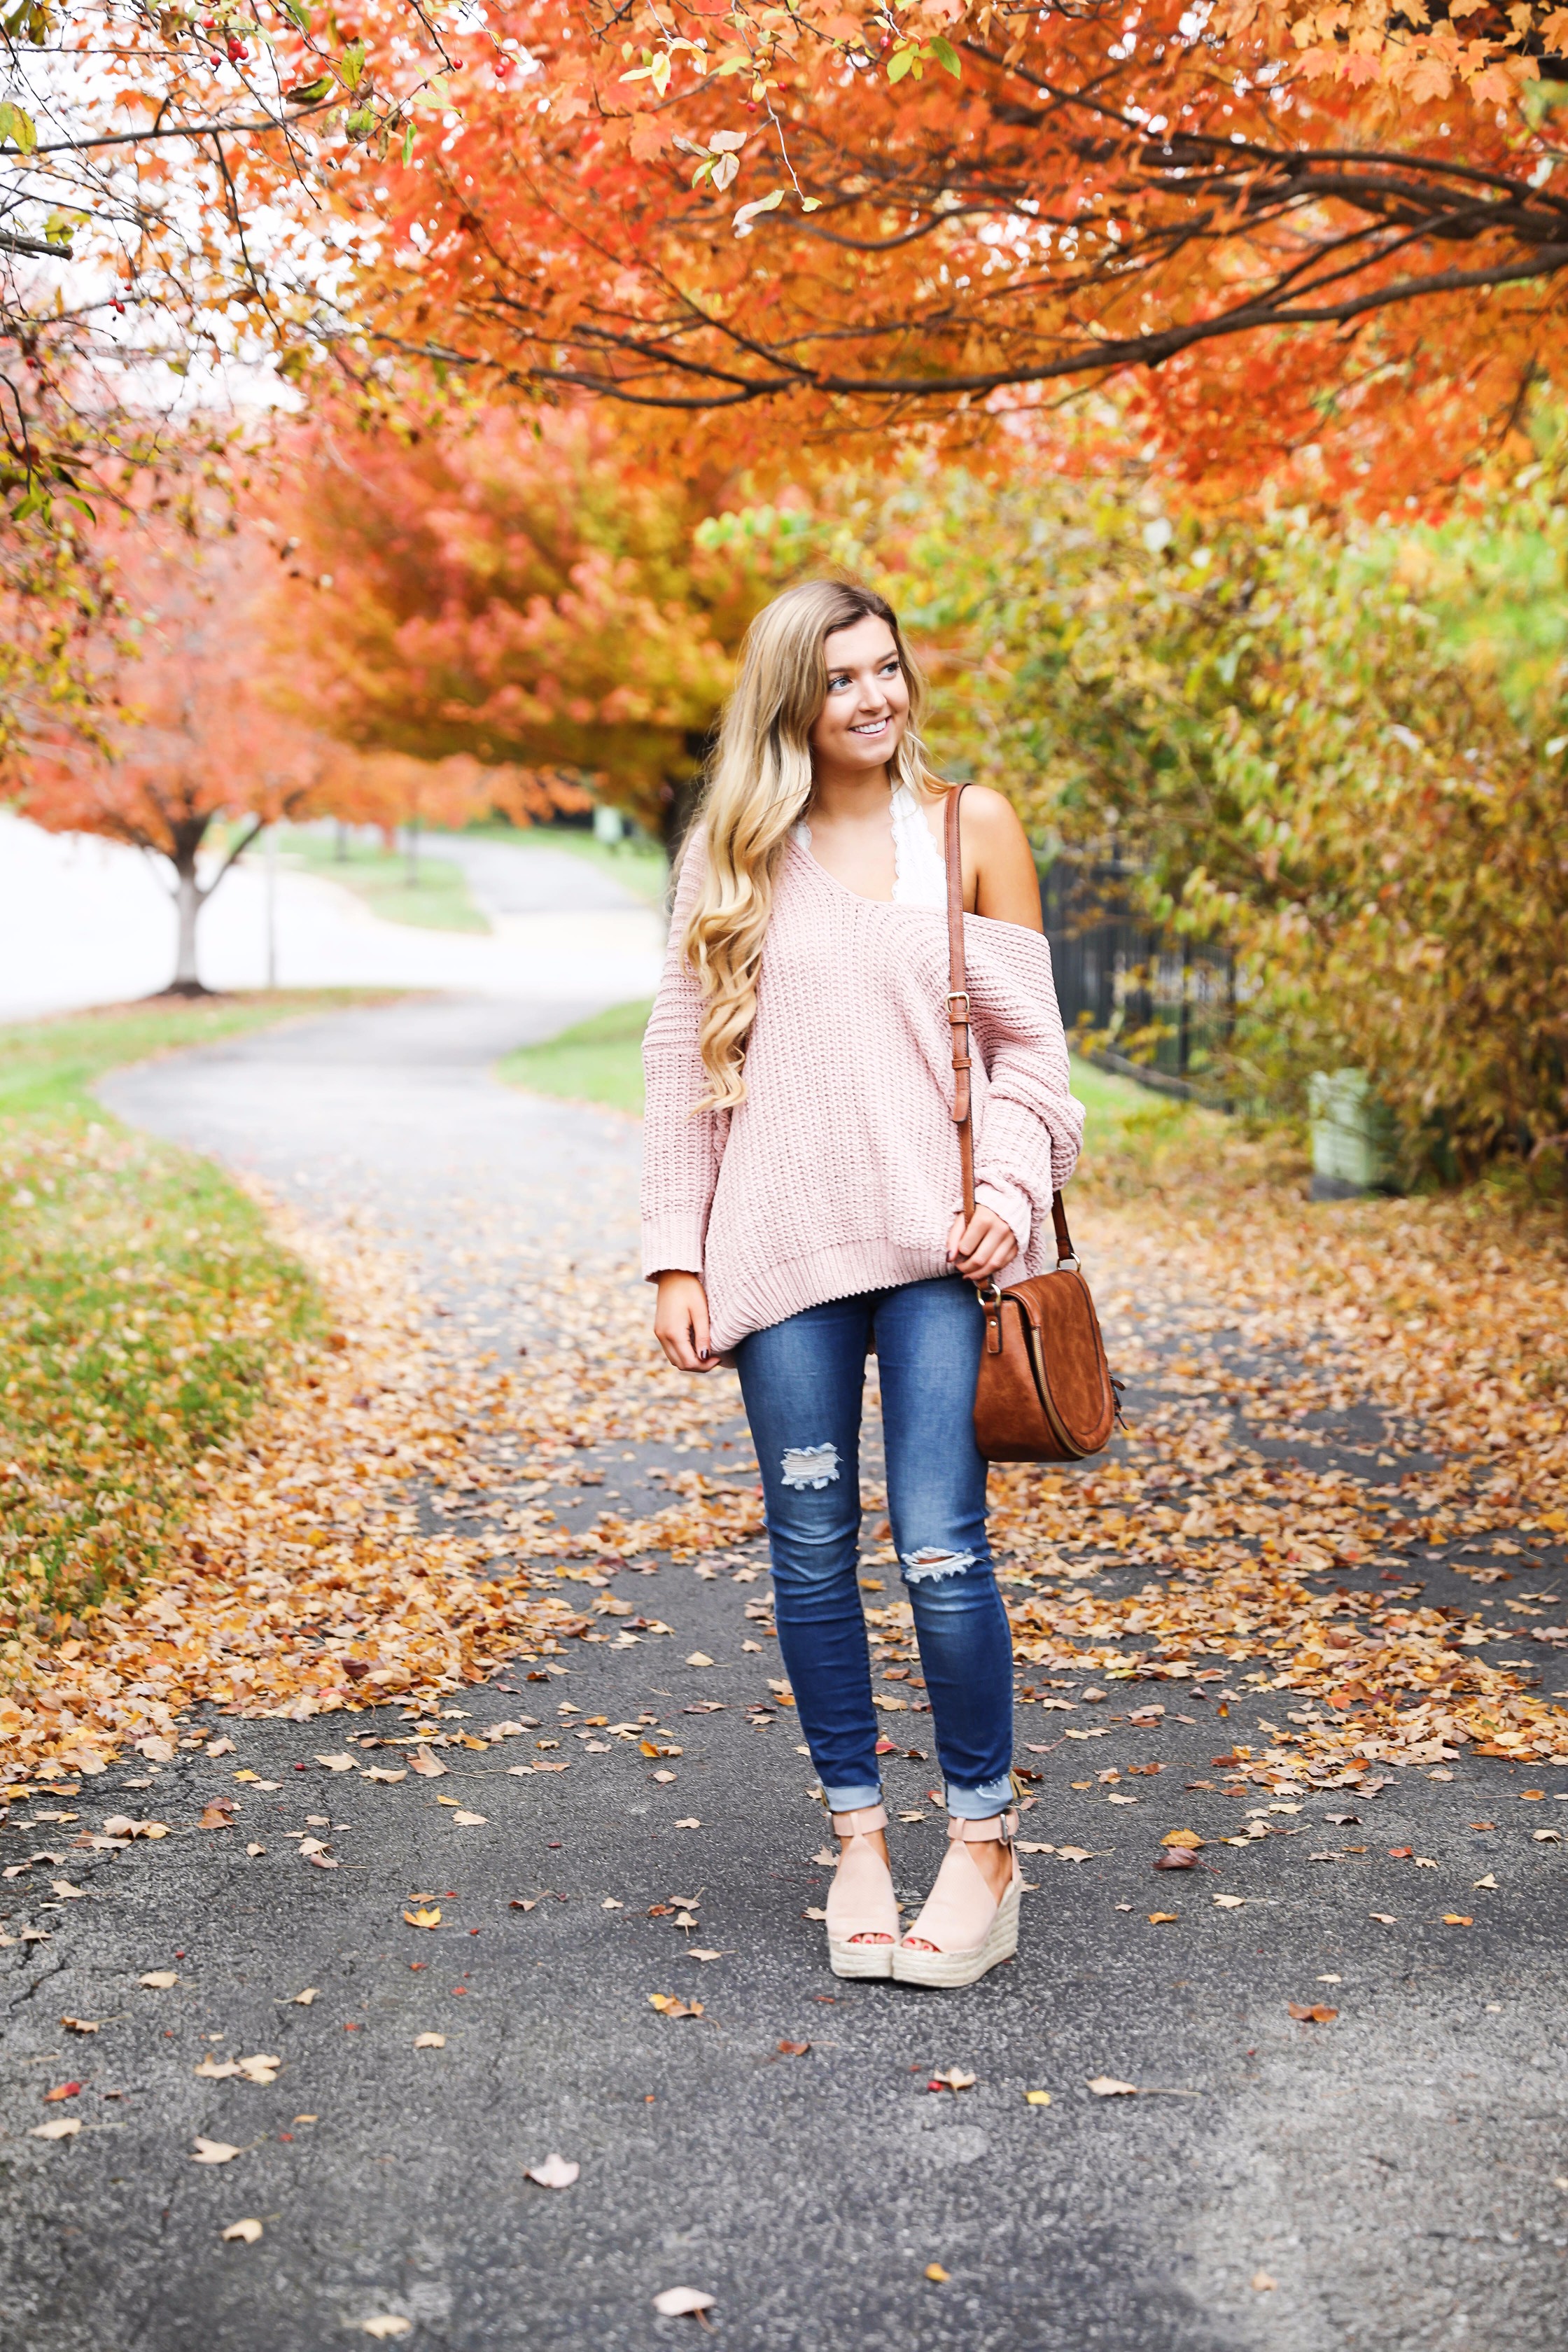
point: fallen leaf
(670, 2005)
(303, 2000)
(216, 2069)
(247, 2232)
(814, 1911)
(937, 2275)
(1163, 1919)
(1023, 1846)
(159, 1980)
(1262, 2284)
(1189, 1837)
(259, 2069)
(1106, 2086)
(953, 2080)
(1181, 1857)
(1488, 1881)
(1077, 1854)
(224, 1747)
(1038, 2099)
(1384, 1919)
(1315, 2013)
(518, 1903)
(691, 1822)
(61, 2091)
(219, 1815)
(793, 2049)
(664, 1776)
(468, 1821)
(555, 2172)
(79, 2025)
(1229, 1902)
(826, 1856)
(59, 2127)
(255, 1849)
(342, 1763)
(675, 2301)
(380, 1772)
(429, 2041)
(1457, 1919)
(428, 1766)
(212, 2151)
(610, 1903)
(386, 2323)
(1546, 1837)
(696, 1952)
(431, 1918)
(67, 1891)
(700, 1658)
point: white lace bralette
(920, 870)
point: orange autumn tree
(180, 738)
(761, 224)
(536, 598)
(1290, 226)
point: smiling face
(867, 706)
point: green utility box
(1353, 1137)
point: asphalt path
(1394, 2177)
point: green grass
(143, 1307)
(599, 1061)
(50, 1065)
(438, 901)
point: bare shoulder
(992, 820)
(999, 864)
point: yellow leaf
(937, 2275)
(430, 1918)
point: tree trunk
(188, 902)
(411, 848)
(680, 794)
(340, 847)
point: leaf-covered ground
(316, 1574)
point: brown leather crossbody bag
(1045, 1392)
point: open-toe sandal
(967, 1927)
(860, 1902)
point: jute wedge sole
(962, 1967)
(860, 1959)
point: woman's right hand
(680, 1323)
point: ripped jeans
(802, 1380)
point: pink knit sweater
(839, 1172)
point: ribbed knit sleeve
(1027, 1136)
(681, 1152)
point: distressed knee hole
(925, 1566)
(809, 1465)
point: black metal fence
(1154, 1005)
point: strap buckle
(951, 994)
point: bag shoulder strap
(958, 1022)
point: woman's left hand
(979, 1249)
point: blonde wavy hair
(759, 786)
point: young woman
(801, 1208)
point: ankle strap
(1001, 1827)
(859, 1824)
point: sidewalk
(84, 922)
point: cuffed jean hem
(857, 1798)
(978, 1804)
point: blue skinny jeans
(803, 1382)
